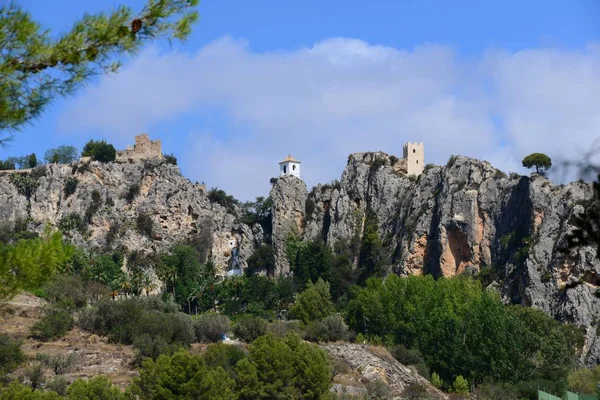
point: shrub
(99, 151)
(514, 175)
(61, 155)
(451, 161)
(497, 391)
(460, 386)
(144, 223)
(249, 328)
(132, 192)
(170, 159)
(58, 384)
(70, 186)
(53, 325)
(98, 387)
(436, 381)
(415, 391)
(71, 222)
(314, 303)
(282, 328)
(378, 390)
(110, 202)
(331, 329)
(66, 292)
(210, 327)
(26, 184)
(393, 160)
(11, 355)
(224, 356)
(412, 178)
(428, 167)
(219, 196)
(407, 356)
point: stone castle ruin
(143, 149)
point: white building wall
(290, 168)
(414, 153)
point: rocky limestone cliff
(178, 208)
(288, 195)
(465, 217)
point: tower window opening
(284, 169)
(294, 167)
(417, 161)
(414, 151)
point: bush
(170, 159)
(436, 381)
(210, 327)
(53, 325)
(132, 192)
(70, 186)
(58, 384)
(223, 355)
(497, 391)
(249, 328)
(144, 223)
(415, 391)
(26, 184)
(66, 292)
(99, 151)
(98, 387)
(71, 222)
(221, 197)
(11, 355)
(331, 329)
(94, 206)
(407, 356)
(314, 303)
(282, 328)
(460, 386)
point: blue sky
(319, 79)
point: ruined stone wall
(144, 148)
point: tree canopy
(36, 68)
(540, 161)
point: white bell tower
(290, 166)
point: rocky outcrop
(367, 364)
(288, 195)
(179, 210)
(465, 217)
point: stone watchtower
(414, 154)
(290, 166)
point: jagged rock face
(178, 208)
(288, 195)
(467, 216)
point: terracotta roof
(289, 158)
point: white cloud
(344, 95)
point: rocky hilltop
(108, 199)
(465, 217)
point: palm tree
(147, 284)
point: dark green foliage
(54, 324)
(460, 329)
(94, 206)
(220, 197)
(248, 328)
(11, 355)
(70, 186)
(99, 151)
(331, 329)
(150, 324)
(110, 202)
(132, 192)
(12, 231)
(96, 388)
(451, 161)
(32, 161)
(262, 260)
(428, 167)
(256, 212)
(283, 368)
(144, 224)
(182, 272)
(182, 376)
(61, 155)
(256, 295)
(314, 303)
(18, 391)
(210, 327)
(393, 160)
(497, 391)
(499, 174)
(170, 159)
(66, 291)
(411, 357)
(26, 184)
(540, 161)
(224, 356)
(372, 257)
(72, 222)
(7, 165)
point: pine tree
(36, 68)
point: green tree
(32, 161)
(460, 386)
(583, 380)
(28, 264)
(182, 375)
(61, 155)
(372, 258)
(436, 381)
(16, 390)
(37, 68)
(11, 354)
(99, 151)
(540, 161)
(96, 388)
(261, 260)
(314, 303)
